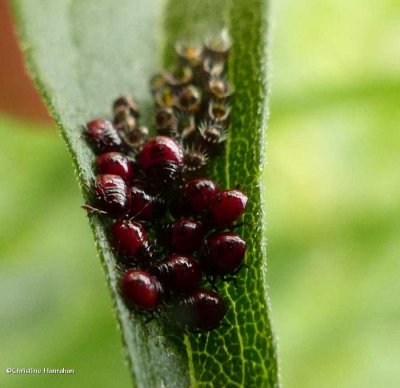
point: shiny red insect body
(223, 254)
(227, 207)
(185, 235)
(141, 289)
(203, 310)
(199, 194)
(103, 136)
(131, 241)
(111, 195)
(155, 182)
(115, 163)
(179, 273)
(161, 159)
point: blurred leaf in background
(55, 309)
(333, 192)
(17, 93)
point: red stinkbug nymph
(179, 273)
(224, 254)
(103, 136)
(141, 289)
(199, 194)
(185, 235)
(131, 241)
(152, 182)
(111, 195)
(115, 163)
(203, 310)
(161, 159)
(227, 207)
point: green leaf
(83, 54)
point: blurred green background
(333, 213)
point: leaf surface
(82, 55)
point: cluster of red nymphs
(173, 228)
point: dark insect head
(189, 99)
(212, 133)
(194, 158)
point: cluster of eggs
(173, 228)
